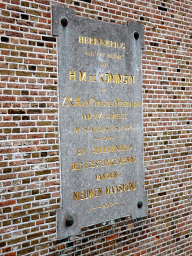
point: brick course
(29, 147)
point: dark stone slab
(100, 121)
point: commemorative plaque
(100, 121)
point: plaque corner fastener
(136, 35)
(64, 22)
(69, 221)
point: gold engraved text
(102, 77)
(116, 78)
(121, 188)
(105, 129)
(89, 53)
(115, 56)
(127, 160)
(127, 128)
(117, 116)
(105, 138)
(112, 175)
(86, 117)
(110, 162)
(104, 64)
(85, 129)
(101, 54)
(77, 166)
(98, 116)
(102, 42)
(80, 151)
(76, 102)
(101, 163)
(110, 104)
(100, 176)
(76, 129)
(126, 104)
(82, 76)
(87, 194)
(107, 205)
(111, 149)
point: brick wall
(29, 147)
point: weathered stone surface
(100, 121)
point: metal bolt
(64, 22)
(69, 221)
(139, 204)
(136, 35)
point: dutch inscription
(100, 121)
(101, 78)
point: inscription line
(107, 205)
(105, 138)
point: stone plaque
(100, 121)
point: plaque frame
(76, 36)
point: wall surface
(29, 147)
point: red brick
(28, 128)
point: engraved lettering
(85, 129)
(102, 42)
(110, 104)
(113, 78)
(77, 166)
(100, 176)
(111, 149)
(86, 117)
(70, 103)
(106, 78)
(89, 53)
(127, 128)
(120, 78)
(92, 78)
(76, 129)
(101, 163)
(81, 39)
(102, 77)
(101, 54)
(117, 116)
(127, 160)
(125, 79)
(104, 64)
(98, 116)
(97, 103)
(82, 77)
(109, 190)
(112, 175)
(115, 56)
(80, 151)
(87, 194)
(127, 104)
(64, 99)
(72, 75)
(105, 129)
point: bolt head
(136, 35)
(69, 221)
(140, 204)
(64, 22)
